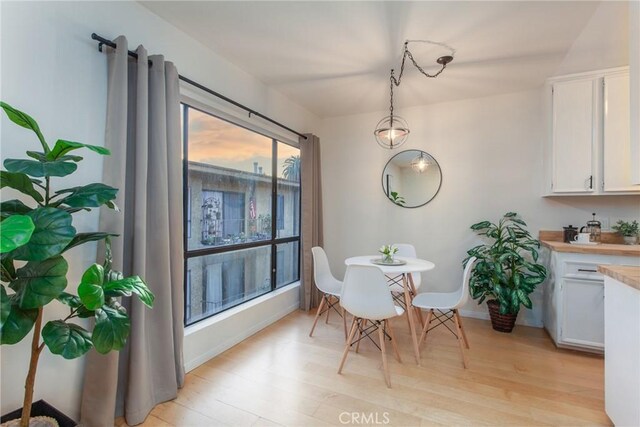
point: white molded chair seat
(366, 295)
(447, 305)
(330, 287)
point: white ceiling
(333, 58)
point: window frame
(273, 242)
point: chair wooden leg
(393, 341)
(460, 340)
(385, 365)
(348, 344)
(344, 322)
(362, 324)
(425, 328)
(464, 334)
(315, 321)
(328, 310)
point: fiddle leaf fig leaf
(66, 339)
(24, 120)
(38, 169)
(15, 231)
(89, 196)
(5, 305)
(13, 207)
(40, 282)
(81, 238)
(90, 289)
(111, 330)
(20, 182)
(69, 299)
(53, 232)
(130, 285)
(18, 323)
(62, 147)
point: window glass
(224, 280)
(288, 212)
(242, 237)
(230, 181)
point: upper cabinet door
(617, 134)
(573, 134)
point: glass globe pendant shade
(391, 132)
(420, 163)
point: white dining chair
(447, 304)
(330, 287)
(395, 283)
(366, 295)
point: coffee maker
(569, 233)
(594, 228)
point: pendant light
(421, 162)
(392, 131)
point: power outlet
(604, 222)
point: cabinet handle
(587, 270)
(591, 182)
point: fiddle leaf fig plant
(507, 269)
(35, 236)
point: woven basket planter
(500, 322)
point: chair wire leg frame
(327, 303)
(365, 328)
(445, 318)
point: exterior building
(229, 207)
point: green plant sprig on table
(507, 268)
(628, 229)
(40, 235)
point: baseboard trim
(226, 345)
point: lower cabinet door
(582, 313)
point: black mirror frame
(387, 164)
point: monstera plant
(36, 235)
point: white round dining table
(412, 265)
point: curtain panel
(143, 134)
(311, 233)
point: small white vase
(630, 240)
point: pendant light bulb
(420, 163)
(391, 132)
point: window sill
(206, 323)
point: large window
(242, 214)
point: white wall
(490, 153)
(52, 70)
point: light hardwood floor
(280, 376)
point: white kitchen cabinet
(582, 312)
(589, 146)
(573, 309)
(573, 113)
(616, 148)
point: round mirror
(411, 178)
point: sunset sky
(220, 143)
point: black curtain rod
(103, 41)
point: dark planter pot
(42, 408)
(500, 322)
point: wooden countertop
(624, 273)
(602, 249)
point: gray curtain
(311, 233)
(143, 134)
